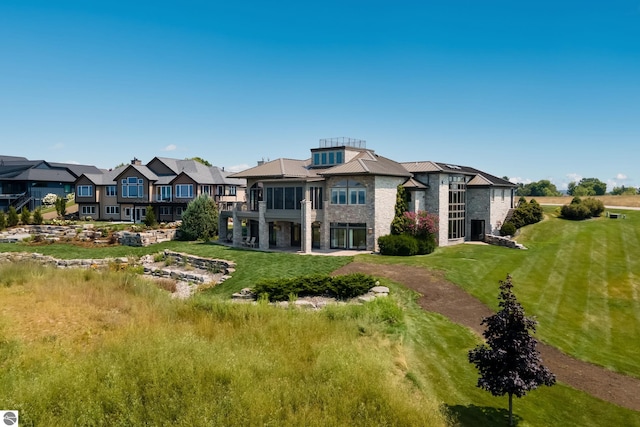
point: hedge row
(406, 245)
(340, 287)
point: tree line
(583, 188)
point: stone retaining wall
(87, 232)
(146, 238)
(60, 263)
(502, 241)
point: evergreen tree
(200, 219)
(150, 217)
(37, 217)
(3, 221)
(12, 217)
(61, 206)
(399, 223)
(25, 216)
(509, 362)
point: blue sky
(528, 90)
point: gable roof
(364, 163)
(368, 163)
(479, 178)
(279, 168)
(414, 184)
(105, 177)
(21, 169)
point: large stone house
(344, 195)
(165, 184)
(24, 182)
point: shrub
(340, 287)
(49, 199)
(580, 209)
(426, 244)
(398, 245)
(526, 213)
(595, 206)
(575, 211)
(508, 229)
(25, 216)
(3, 221)
(37, 217)
(12, 217)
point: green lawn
(580, 279)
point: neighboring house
(165, 184)
(344, 197)
(25, 182)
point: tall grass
(111, 349)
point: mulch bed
(441, 296)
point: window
(326, 158)
(179, 211)
(88, 210)
(357, 194)
(110, 190)
(457, 207)
(112, 210)
(284, 198)
(232, 190)
(127, 212)
(315, 194)
(502, 195)
(85, 190)
(132, 187)
(165, 210)
(184, 191)
(163, 193)
(220, 190)
(205, 189)
(348, 235)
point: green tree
(150, 217)
(12, 217)
(3, 221)
(587, 187)
(201, 160)
(25, 216)
(509, 362)
(37, 216)
(200, 219)
(61, 206)
(399, 222)
(626, 191)
(542, 188)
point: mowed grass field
(580, 279)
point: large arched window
(348, 192)
(255, 196)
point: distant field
(628, 201)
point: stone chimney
(136, 161)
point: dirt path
(441, 296)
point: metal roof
(279, 168)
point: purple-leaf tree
(509, 363)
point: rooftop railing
(342, 141)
